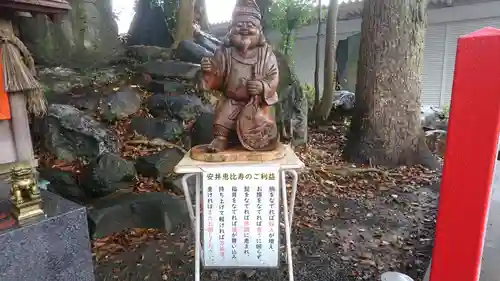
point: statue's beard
(244, 42)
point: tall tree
(329, 71)
(287, 16)
(201, 15)
(184, 23)
(318, 61)
(171, 8)
(386, 129)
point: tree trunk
(286, 44)
(386, 127)
(171, 9)
(184, 23)
(316, 68)
(329, 71)
(202, 17)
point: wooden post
(15, 138)
(21, 129)
(471, 148)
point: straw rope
(19, 72)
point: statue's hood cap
(246, 8)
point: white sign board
(241, 217)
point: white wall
(456, 21)
(304, 55)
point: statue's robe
(230, 71)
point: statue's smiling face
(245, 35)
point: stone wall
(86, 36)
(347, 53)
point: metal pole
(427, 275)
(287, 227)
(197, 265)
(295, 180)
(187, 196)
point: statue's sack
(255, 129)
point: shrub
(309, 91)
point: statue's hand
(255, 87)
(206, 65)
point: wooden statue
(246, 71)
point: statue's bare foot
(217, 145)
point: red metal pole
(471, 149)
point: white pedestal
(288, 165)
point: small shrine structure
(51, 8)
(20, 92)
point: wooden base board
(236, 154)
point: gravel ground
(354, 239)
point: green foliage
(446, 111)
(314, 18)
(47, 91)
(287, 16)
(170, 8)
(309, 92)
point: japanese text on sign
(240, 220)
(268, 176)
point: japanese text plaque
(241, 217)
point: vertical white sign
(241, 216)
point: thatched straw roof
(37, 6)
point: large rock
(87, 36)
(144, 53)
(173, 69)
(159, 164)
(202, 130)
(175, 185)
(88, 102)
(65, 184)
(433, 118)
(144, 210)
(150, 26)
(69, 133)
(344, 100)
(106, 174)
(348, 62)
(207, 41)
(85, 99)
(182, 107)
(167, 86)
(121, 104)
(191, 52)
(343, 105)
(60, 80)
(152, 128)
(292, 109)
(436, 141)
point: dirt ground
(351, 223)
